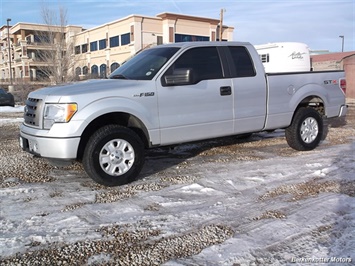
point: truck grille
(32, 112)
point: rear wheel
(114, 156)
(306, 130)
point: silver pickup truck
(172, 94)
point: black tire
(119, 166)
(306, 130)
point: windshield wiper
(118, 76)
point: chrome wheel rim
(309, 130)
(116, 157)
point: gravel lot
(143, 242)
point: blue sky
(318, 23)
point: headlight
(58, 113)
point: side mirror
(180, 76)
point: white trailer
(284, 57)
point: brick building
(338, 61)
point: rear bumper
(343, 110)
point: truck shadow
(161, 160)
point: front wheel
(306, 130)
(114, 156)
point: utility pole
(342, 42)
(221, 25)
(8, 39)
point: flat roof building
(27, 47)
(98, 51)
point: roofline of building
(350, 55)
(4, 27)
(160, 16)
(118, 20)
(26, 25)
(174, 16)
(331, 56)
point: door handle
(225, 90)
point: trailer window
(265, 58)
(243, 63)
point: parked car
(6, 98)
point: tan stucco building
(98, 51)
(25, 47)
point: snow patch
(10, 109)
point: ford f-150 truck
(172, 94)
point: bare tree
(55, 47)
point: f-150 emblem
(144, 94)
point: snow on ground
(10, 120)
(298, 208)
(9, 109)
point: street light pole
(342, 42)
(8, 39)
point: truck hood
(108, 87)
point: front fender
(146, 110)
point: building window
(78, 71)
(43, 37)
(114, 66)
(94, 71)
(190, 38)
(114, 41)
(93, 46)
(77, 49)
(84, 48)
(102, 44)
(28, 39)
(85, 70)
(159, 40)
(125, 39)
(265, 58)
(41, 75)
(103, 71)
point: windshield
(144, 65)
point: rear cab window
(241, 62)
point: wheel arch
(314, 102)
(117, 118)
